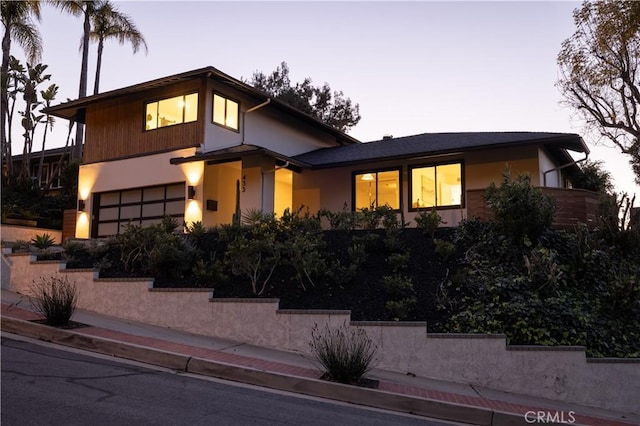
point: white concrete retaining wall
(556, 373)
(15, 233)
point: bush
(520, 210)
(156, 250)
(253, 250)
(345, 355)
(429, 221)
(43, 241)
(54, 300)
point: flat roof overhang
(236, 153)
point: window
(377, 189)
(170, 111)
(436, 186)
(225, 112)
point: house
(192, 145)
(53, 162)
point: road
(46, 385)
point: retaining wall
(15, 233)
(559, 373)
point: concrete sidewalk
(293, 372)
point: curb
(312, 387)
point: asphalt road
(44, 385)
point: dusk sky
(413, 67)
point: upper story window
(436, 186)
(226, 112)
(376, 189)
(170, 111)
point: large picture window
(225, 112)
(171, 111)
(436, 186)
(376, 189)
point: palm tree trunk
(98, 66)
(82, 92)
(4, 100)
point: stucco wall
(558, 373)
(15, 233)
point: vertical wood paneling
(115, 128)
(574, 206)
(69, 223)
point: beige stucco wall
(559, 373)
(138, 172)
(15, 233)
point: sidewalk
(295, 373)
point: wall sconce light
(81, 205)
(191, 192)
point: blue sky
(413, 67)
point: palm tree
(18, 26)
(84, 9)
(108, 23)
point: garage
(138, 206)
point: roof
(51, 152)
(237, 152)
(438, 143)
(76, 109)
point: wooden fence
(574, 206)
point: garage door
(140, 206)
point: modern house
(190, 145)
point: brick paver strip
(14, 311)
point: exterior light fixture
(81, 205)
(191, 192)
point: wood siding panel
(69, 223)
(115, 128)
(574, 206)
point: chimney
(387, 137)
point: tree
(319, 102)
(108, 23)
(84, 9)
(19, 26)
(593, 177)
(599, 72)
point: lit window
(376, 189)
(170, 111)
(225, 112)
(436, 186)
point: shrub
(346, 355)
(253, 250)
(521, 211)
(302, 245)
(43, 241)
(429, 221)
(54, 300)
(444, 249)
(19, 246)
(208, 273)
(342, 220)
(156, 250)
(401, 309)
